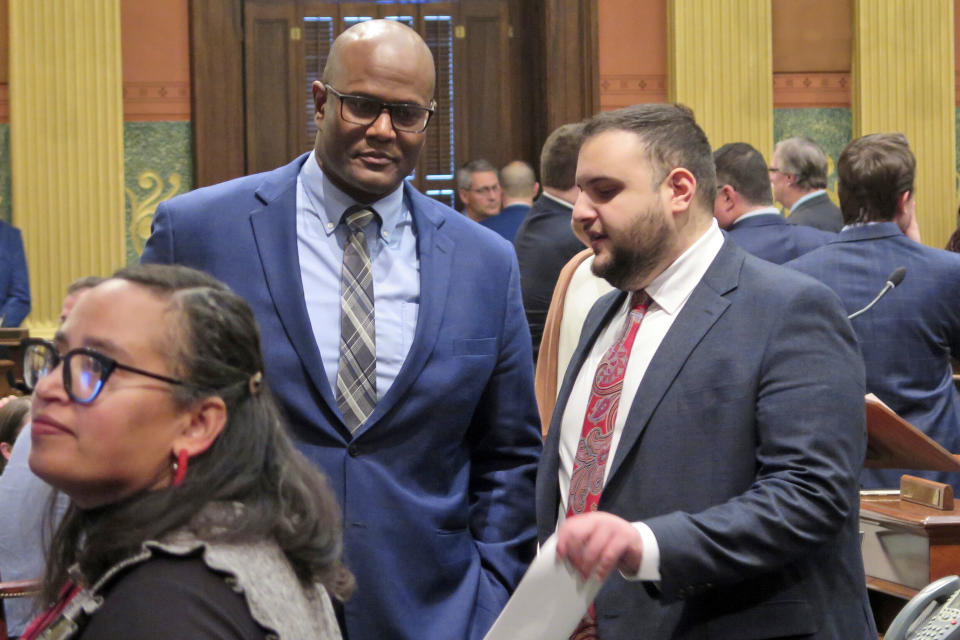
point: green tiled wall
(831, 128)
(157, 164)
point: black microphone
(895, 278)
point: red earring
(180, 467)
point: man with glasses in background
(479, 189)
(798, 174)
(395, 339)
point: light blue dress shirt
(394, 260)
(25, 532)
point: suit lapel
(435, 249)
(275, 231)
(604, 309)
(701, 311)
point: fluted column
(719, 63)
(903, 81)
(66, 129)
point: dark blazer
(741, 452)
(437, 486)
(908, 337)
(771, 237)
(507, 221)
(544, 244)
(14, 279)
(819, 212)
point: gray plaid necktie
(357, 371)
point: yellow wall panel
(719, 62)
(903, 66)
(66, 130)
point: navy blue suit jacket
(908, 337)
(771, 237)
(14, 279)
(544, 244)
(741, 451)
(507, 221)
(437, 486)
(818, 212)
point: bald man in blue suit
(436, 484)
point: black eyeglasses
(85, 371)
(410, 118)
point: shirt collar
(671, 288)
(557, 200)
(330, 202)
(762, 211)
(807, 196)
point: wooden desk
(10, 356)
(905, 547)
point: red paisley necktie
(586, 481)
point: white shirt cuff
(650, 560)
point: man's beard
(632, 261)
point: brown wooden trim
(145, 101)
(890, 588)
(216, 72)
(570, 54)
(826, 89)
(623, 90)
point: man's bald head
(387, 38)
(385, 62)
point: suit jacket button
(353, 450)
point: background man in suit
(431, 449)
(519, 185)
(744, 208)
(14, 279)
(908, 337)
(725, 484)
(479, 189)
(798, 173)
(545, 241)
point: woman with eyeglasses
(192, 514)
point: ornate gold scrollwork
(141, 211)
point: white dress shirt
(393, 259)
(669, 292)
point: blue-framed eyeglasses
(85, 371)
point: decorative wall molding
(811, 90)
(622, 90)
(146, 101)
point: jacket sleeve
(16, 304)
(505, 441)
(159, 247)
(810, 444)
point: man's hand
(597, 542)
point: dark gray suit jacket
(819, 212)
(741, 451)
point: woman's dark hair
(13, 414)
(214, 346)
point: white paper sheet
(549, 601)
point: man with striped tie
(395, 338)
